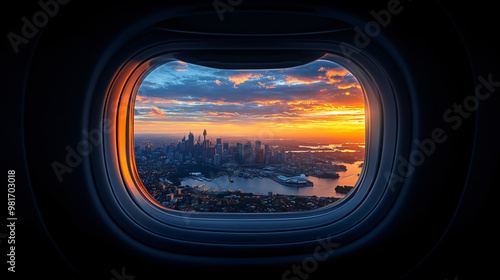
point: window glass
(249, 141)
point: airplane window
(249, 141)
(218, 142)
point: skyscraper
(259, 153)
(205, 146)
(248, 154)
(258, 145)
(217, 159)
(190, 144)
(240, 152)
(267, 154)
(259, 156)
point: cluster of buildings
(163, 165)
(197, 199)
(218, 153)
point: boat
(333, 175)
(343, 189)
(297, 181)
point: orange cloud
(243, 77)
(265, 86)
(218, 82)
(156, 112)
(139, 99)
(223, 114)
(300, 80)
(333, 75)
(266, 102)
(142, 101)
(350, 85)
(181, 66)
(334, 72)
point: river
(323, 187)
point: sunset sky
(317, 100)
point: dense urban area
(163, 162)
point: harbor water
(323, 187)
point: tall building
(259, 156)
(219, 141)
(217, 159)
(190, 143)
(258, 145)
(205, 146)
(259, 153)
(240, 152)
(233, 153)
(276, 156)
(211, 150)
(248, 154)
(182, 144)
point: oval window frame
(187, 232)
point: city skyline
(320, 99)
(216, 151)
